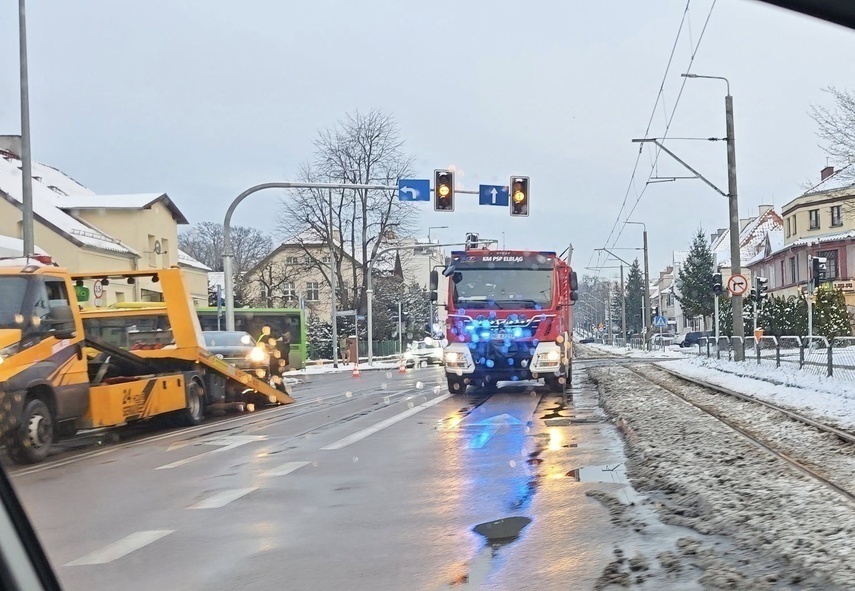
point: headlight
(553, 355)
(257, 355)
(454, 357)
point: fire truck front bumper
(521, 361)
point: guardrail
(816, 355)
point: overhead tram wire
(649, 124)
(671, 119)
(631, 185)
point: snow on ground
(788, 530)
(831, 400)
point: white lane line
(360, 435)
(123, 547)
(222, 499)
(285, 469)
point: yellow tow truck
(56, 379)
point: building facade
(85, 232)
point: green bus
(253, 320)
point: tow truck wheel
(554, 385)
(195, 411)
(34, 436)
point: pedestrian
(344, 350)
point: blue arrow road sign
(660, 321)
(413, 190)
(493, 195)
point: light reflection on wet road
(280, 502)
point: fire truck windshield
(503, 288)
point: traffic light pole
(810, 298)
(716, 320)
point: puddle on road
(497, 534)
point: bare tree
(836, 128)
(204, 242)
(363, 148)
(277, 284)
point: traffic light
(819, 270)
(761, 288)
(752, 295)
(443, 190)
(519, 195)
(471, 241)
(656, 310)
(716, 283)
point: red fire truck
(509, 318)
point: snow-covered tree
(319, 338)
(694, 281)
(830, 316)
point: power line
(670, 119)
(649, 122)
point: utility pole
(622, 307)
(609, 308)
(26, 161)
(646, 293)
(735, 263)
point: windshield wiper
(522, 302)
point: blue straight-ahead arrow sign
(413, 190)
(493, 195)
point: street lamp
(735, 262)
(26, 161)
(435, 228)
(646, 292)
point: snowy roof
(310, 238)
(187, 260)
(824, 238)
(50, 186)
(13, 247)
(752, 238)
(131, 201)
(841, 179)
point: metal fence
(815, 355)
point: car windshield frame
(501, 289)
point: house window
(291, 260)
(795, 227)
(312, 290)
(814, 219)
(783, 274)
(289, 290)
(325, 259)
(264, 292)
(836, 217)
(794, 270)
(788, 228)
(831, 264)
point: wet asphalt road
(363, 484)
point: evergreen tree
(634, 298)
(694, 281)
(319, 338)
(616, 308)
(830, 317)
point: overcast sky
(203, 99)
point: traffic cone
(355, 370)
(402, 368)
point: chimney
(11, 143)
(744, 222)
(764, 209)
(826, 172)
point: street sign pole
(716, 320)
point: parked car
(427, 352)
(239, 349)
(691, 339)
(664, 338)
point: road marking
(223, 498)
(121, 548)
(360, 435)
(285, 469)
(492, 426)
(227, 443)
